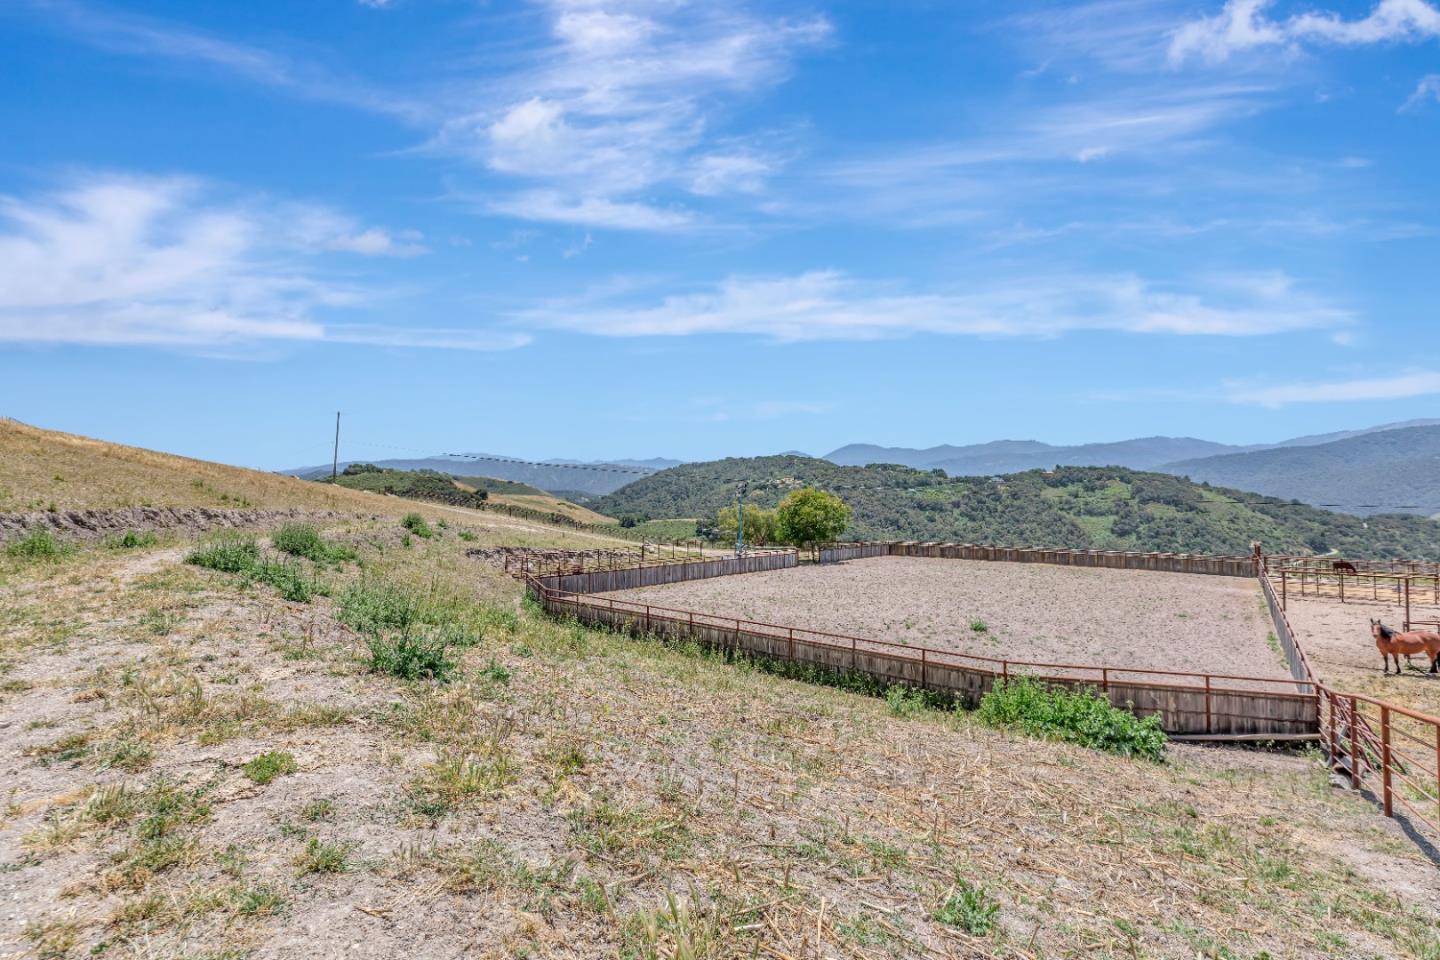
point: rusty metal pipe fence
(1383, 747)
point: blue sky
(652, 227)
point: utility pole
(335, 463)
(740, 520)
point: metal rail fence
(1384, 747)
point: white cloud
(721, 173)
(1395, 387)
(1428, 89)
(828, 305)
(374, 242)
(164, 261)
(1243, 25)
(138, 35)
(621, 104)
(553, 206)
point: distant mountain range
(1391, 468)
(1386, 471)
(592, 478)
(1015, 456)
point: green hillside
(412, 484)
(1107, 508)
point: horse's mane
(1386, 632)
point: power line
(565, 466)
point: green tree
(811, 516)
(760, 525)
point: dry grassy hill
(551, 504)
(45, 469)
(196, 765)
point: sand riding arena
(1147, 630)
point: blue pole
(740, 521)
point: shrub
(303, 540)
(969, 908)
(904, 701)
(229, 555)
(131, 539)
(237, 555)
(411, 656)
(39, 545)
(1078, 717)
(416, 524)
(287, 579)
(372, 606)
(268, 766)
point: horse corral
(1142, 620)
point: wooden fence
(1224, 566)
(655, 574)
(1188, 704)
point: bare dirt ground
(1337, 641)
(572, 793)
(1036, 612)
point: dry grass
(575, 793)
(553, 505)
(45, 469)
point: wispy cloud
(828, 305)
(621, 104)
(1427, 89)
(1413, 383)
(137, 35)
(110, 259)
(1242, 25)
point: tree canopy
(811, 516)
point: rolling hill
(1081, 507)
(1013, 456)
(1387, 471)
(472, 492)
(48, 470)
(557, 476)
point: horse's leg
(1385, 659)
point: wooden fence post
(1209, 713)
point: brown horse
(1343, 566)
(1392, 643)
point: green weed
(266, 767)
(40, 545)
(1079, 717)
(970, 908)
